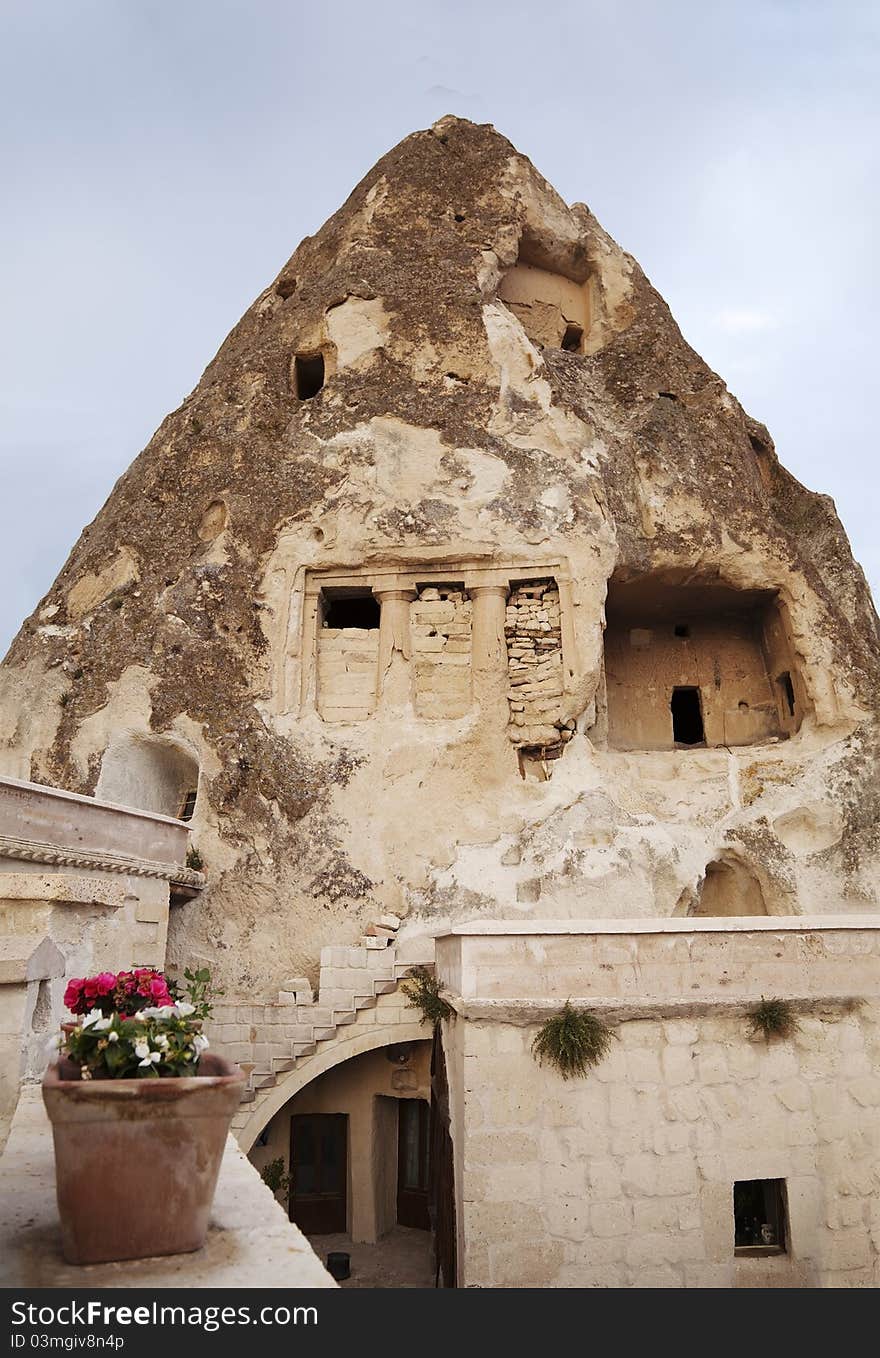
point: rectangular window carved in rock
(348, 654)
(440, 628)
(687, 717)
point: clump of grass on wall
(574, 1040)
(424, 991)
(773, 1018)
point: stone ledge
(250, 1241)
(524, 1012)
(33, 851)
(722, 924)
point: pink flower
(105, 982)
(73, 996)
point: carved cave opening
(308, 375)
(692, 660)
(550, 296)
(687, 717)
(729, 888)
(150, 773)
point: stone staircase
(269, 1040)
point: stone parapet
(669, 965)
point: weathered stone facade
(626, 1178)
(461, 586)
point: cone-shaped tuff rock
(461, 586)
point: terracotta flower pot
(136, 1161)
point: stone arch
(353, 1040)
(730, 886)
(151, 773)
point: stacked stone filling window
(348, 655)
(533, 631)
(440, 626)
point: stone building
(467, 619)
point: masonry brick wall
(348, 659)
(534, 659)
(440, 624)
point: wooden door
(413, 1142)
(319, 1172)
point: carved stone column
(394, 686)
(489, 648)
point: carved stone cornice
(33, 851)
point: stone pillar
(489, 647)
(393, 688)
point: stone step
(384, 987)
(365, 1001)
(304, 1049)
(281, 1064)
(324, 1034)
(247, 1096)
(336, 998)
(343, 1016)
(263, 1079)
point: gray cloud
(161, 161)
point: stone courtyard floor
(402, 1258)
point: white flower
(151, 1058)
(184, 1009)
(112, 1037)
(142, 1048)
(102, 1024)
(93, 1017)
(201, 1043)
(161, 1041)
(160, 1011)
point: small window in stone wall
(440, 627)
(357, 610)
(188, 804)
(759, 1213)
(786, 688)
(687, 717)
(308, 375)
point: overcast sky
(162, 158)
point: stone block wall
(440, 626)
(625, 1178)
(534, 660)
(348, 659)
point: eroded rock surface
(296, 599)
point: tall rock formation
(461, 586)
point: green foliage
(424, 991)
(200, 992)
(773, 1018)
(572, 1040)
(275, 1177)
(149, 1045)
(194, 859)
